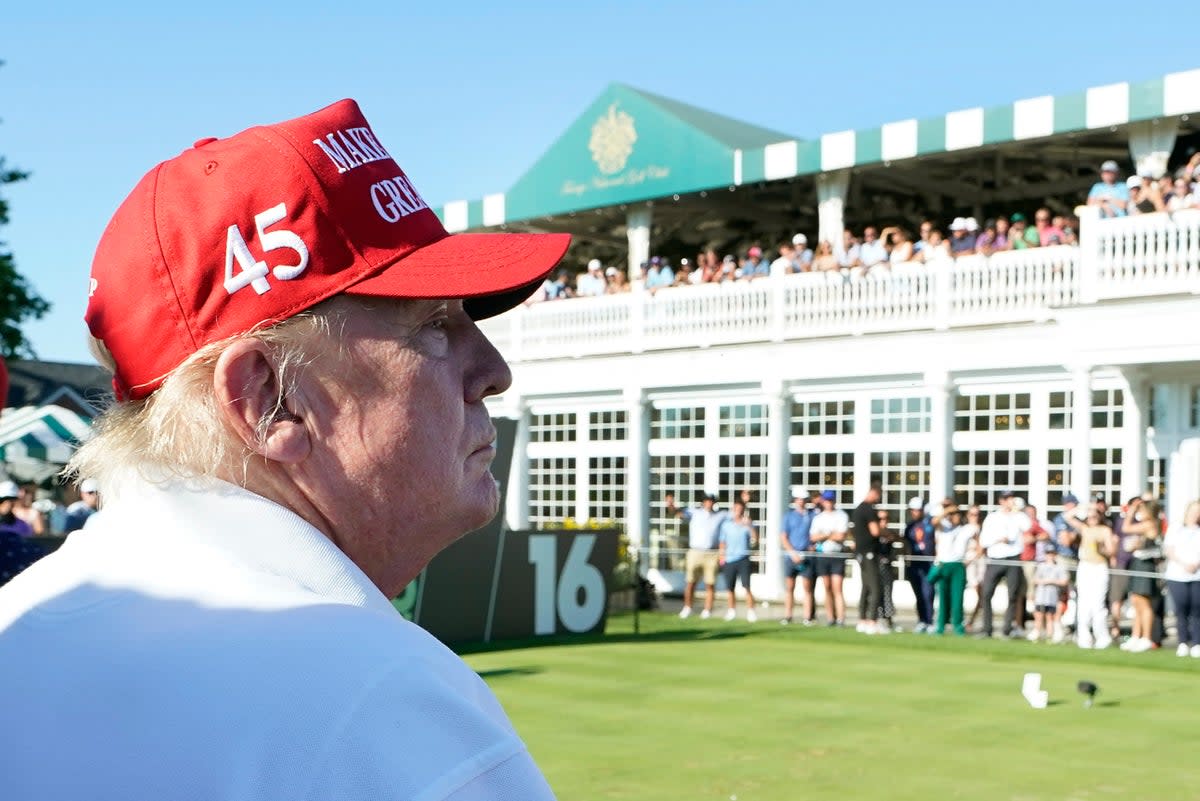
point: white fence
(1153, 254)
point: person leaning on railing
(1182, 547)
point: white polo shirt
(835, 521)
(1001, 534)
(206, 643)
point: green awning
(628, 146)
(631, 146)
(41, 434)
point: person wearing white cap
(802, 259)
(962, 241)
(919, 536)
(17, 551)
(1108, 194)
(591, 284)
(87, 505)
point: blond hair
(177, 431)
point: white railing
(1150, 254)
(1146, 255)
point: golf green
(758, 712)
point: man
(828, 533)
(736, 541)
(1108, 194)
(923, 236)
(1048, 233)
(1066, 539)
(1021, 235)
(1000, 538)
(922, 544)
(848, 253)
(87, 505)
(659, 275)
(299, 428)
(786, 263)
(872, 251)
(591, 284)
(802, 261)
(703, 557)
(796, 540)
(1034, 541)
(756, 264)
(962, 242)
(866, 553)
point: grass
(712, 710)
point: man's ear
(247, 388)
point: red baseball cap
(240, 232)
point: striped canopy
(41, 434)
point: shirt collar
(249, 529)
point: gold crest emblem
(612, 140)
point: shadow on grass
(503, 673)
(678, 635)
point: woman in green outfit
(954, 550)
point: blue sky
(467, 95)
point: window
(681, 476)
(1106, 474)
(1107, 408)
(551, 491)
(744, 420)
(1156, 478)
(608, 426)
(1194, 408)
(606, 488)
(999, 412)
(980, 476)
(822, 417)
(1060, 410)
(553, 427)
(672, 422)
(816, 472)
(745, 472)
(902, 475)
(1058, 479)
(900, 415)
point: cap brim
(492, 273)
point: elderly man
(299, 428)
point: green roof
(631, 145)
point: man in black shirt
(865, 521)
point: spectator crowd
(1076, 577)
(876, 251)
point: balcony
(1142, 256)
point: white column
(518, 478)
(1150, 145)
(779, 494)
(1183, 478)
(941, 433)
(637, 476)
(832, 188)
(1087, 266)
(1133, 450)
(637, 232)
(1081, 424)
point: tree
(18, 300)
